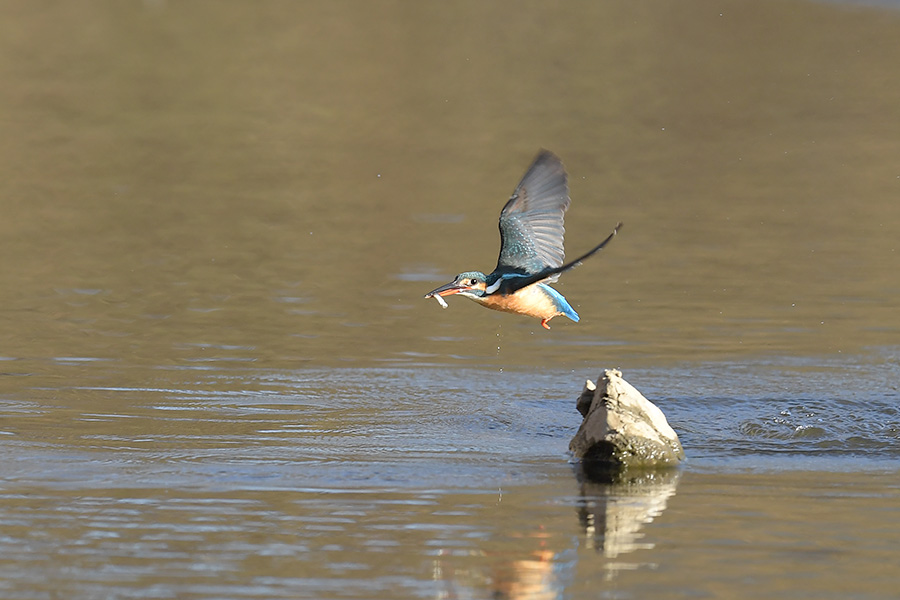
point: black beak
(447, 289)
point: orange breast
(531, 301)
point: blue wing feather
(531, 222)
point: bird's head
(470, 284)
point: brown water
(218, 377)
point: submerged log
(622, 430)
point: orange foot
(544, 323)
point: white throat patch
(493, 287)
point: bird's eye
(472, 282)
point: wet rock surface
(622, 430)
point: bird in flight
(531, 249)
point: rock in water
(622, 429)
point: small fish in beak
(445, 290)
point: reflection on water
(218, 376)
(159, 543)
(221, 481)
(613, 514)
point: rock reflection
(613, 511)
(542, 561)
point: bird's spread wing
(531, 223)
(510, 283)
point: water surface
(218, 377)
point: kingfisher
(531, 249)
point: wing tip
(548, 157)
